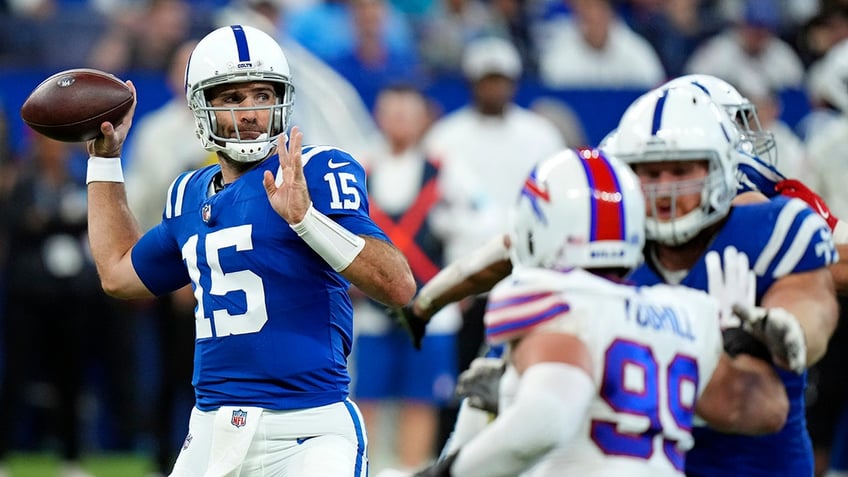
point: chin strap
(251, 151)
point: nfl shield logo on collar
(239, 418)
(206, 212)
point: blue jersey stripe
(178, 205)
(798, 247)
(778, 236)
(174, 205)
(527, 321)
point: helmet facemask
(240, 148)
(681, 124)
(755, 140)
(715, 198)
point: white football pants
(234, 441)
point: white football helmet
(238, 54)
(756, 140)
(681, 124)
(579, 208)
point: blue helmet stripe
(241, 43)
(658, 111)
(702, 88)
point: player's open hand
(287, 192)
(111, 141)
(730, 281)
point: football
(71, 105)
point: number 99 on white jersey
(653, 350)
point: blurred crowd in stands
(579, 64)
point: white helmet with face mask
(756, 140)
(681, 124)
(579, 208)
(238, 54)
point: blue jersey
(274, 322)
(780, 237)
(754, 174)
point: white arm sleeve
(492, 252)
(469, 422)
(550, 406)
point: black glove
(738, 341)
(440, 468)
(412, 323)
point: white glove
(730, 284)
(480, 383)
(780, 331)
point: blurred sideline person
(57, 323)
(270, 257)
(163, 145)
(485, 149)
(403, 191)
(610, 375)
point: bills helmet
(579, 208)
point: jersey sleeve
(753, 174)
(337, 186)
(798, 240)
(521, 303)
(158, 262)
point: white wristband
(334, 243)
(104, 169)
(840, 233)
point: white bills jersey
(653, 350)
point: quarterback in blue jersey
(270, 238)
(687, 173)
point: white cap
(491, 56)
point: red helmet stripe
(607, 200)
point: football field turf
(103, 465)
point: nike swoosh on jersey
(336, 165)
(301, 440)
